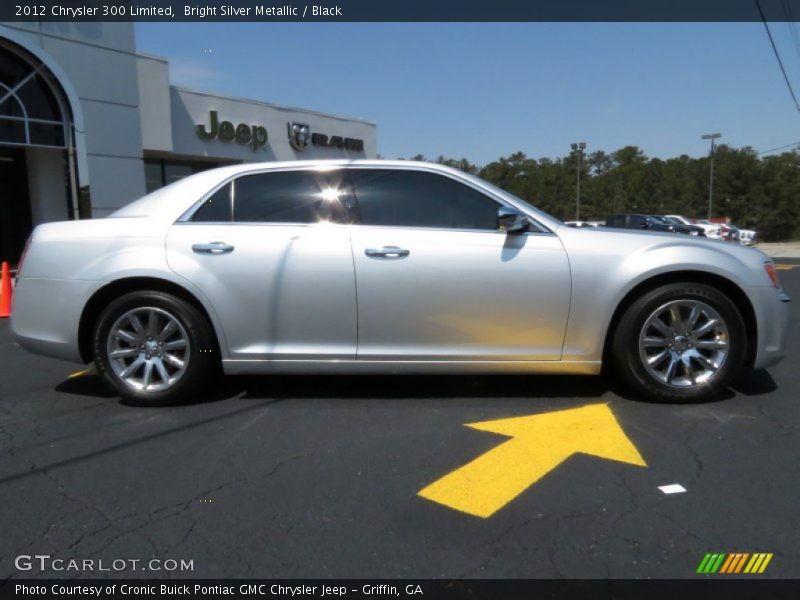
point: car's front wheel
(154, 348)
(681, 342)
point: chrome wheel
(148, 349)
(683, 343)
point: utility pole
(712, 137)
(580, 147)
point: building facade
(87, 125)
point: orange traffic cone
(5, 292)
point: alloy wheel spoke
(655, 342)
(711, 344)
(175, 344)
(162, 370)
(674, 315)
(152, 323)
(691, 320)
(148, 374)
(125, 352)
(137, 324)
(705, 361)
(126, 335)
(661, 326)
(657, 358)
(671, 368)
(705, 328)
(688, 369)
(132, 368)
(168, 330)
(173, 360)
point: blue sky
(484, 90)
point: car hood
(665, 251)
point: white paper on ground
(672, 488)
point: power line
(779, 148)
(777, 55)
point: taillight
(769, 267)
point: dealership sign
(300, 136)
(254, 135)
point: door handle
(212, 248)
(387, 252)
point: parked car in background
(729, 233)
(693, 229)
(651, 222)
(368, 266)
(748, 237)
(712, 230)
(580, 224)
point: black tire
(202, 355)
(629, 365)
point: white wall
(100, 62)
(154, 103)
(47, 184)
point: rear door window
(281, 197)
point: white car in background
(748, 237)
(713, 230)
(580, 224)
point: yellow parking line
(90, 371)
(785, 267)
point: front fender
(603, 278)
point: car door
(436, 280)
(272, 255)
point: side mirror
(511, 220)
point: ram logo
(299, 135)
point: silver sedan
(385, 267)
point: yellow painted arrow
(538, 444)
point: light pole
(579, 146)
(712, 137)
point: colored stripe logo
(734, 562)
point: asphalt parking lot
(301, 477)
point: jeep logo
(254, 135)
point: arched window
(30, 111)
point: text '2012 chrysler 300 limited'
(385, 267)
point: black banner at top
(400, 10)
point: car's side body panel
(284, 291)
(460, 295)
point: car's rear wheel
(681, 342)
(153, 348)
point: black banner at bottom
(278, 589)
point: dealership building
(87, 124)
